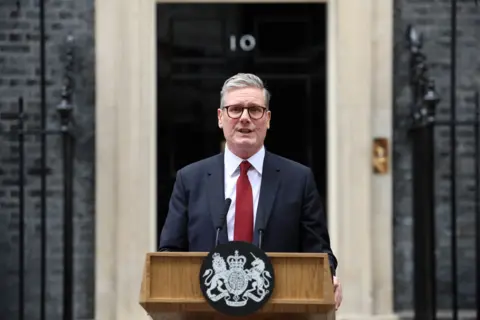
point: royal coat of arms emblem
(237, 283)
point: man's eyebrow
(250, 104)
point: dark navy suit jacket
(289, 205)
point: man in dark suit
(266, 190)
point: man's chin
(245, 143)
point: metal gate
(423, 129)
(17, 134)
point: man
(265, 188)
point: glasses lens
(234, 111)
(255, 112)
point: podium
(171, 288)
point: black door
(200, 45)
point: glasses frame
(264, 109)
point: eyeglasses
(255, 112)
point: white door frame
(359, 108)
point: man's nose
(245, 115)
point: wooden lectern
(303, 288)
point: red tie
(243, 230)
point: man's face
(243, 132)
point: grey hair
(244, 80)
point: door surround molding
(360, 77)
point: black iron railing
(423, 108)
(423, 112)
(19, 134)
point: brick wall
(433, 19)
(19, 77)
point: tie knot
(244, 166)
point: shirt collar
(232, 162)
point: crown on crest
(236, 261)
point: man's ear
(219, 116)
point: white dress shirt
(232, 172)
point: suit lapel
(268, 191)
(216, 194)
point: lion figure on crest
(220, 273)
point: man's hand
(337, 288)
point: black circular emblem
(237, 278)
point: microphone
(222, 219)
(261, 228)
(260, 238)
